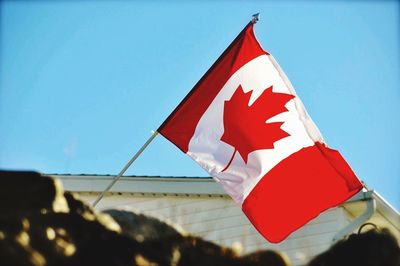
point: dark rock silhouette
(267, 257)
(142, 227)
(40, 224)
(375, 247)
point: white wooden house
(201, 207)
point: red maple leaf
(245, 126)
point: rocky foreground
(40, 224)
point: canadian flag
(244, 124)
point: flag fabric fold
(245, 125)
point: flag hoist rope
(155, 133)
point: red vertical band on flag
(179, 127)
(298, 189)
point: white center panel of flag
(208, 150)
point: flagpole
(155, 133)
(254, 20)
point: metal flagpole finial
(255, 18)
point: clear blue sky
(83, 83)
